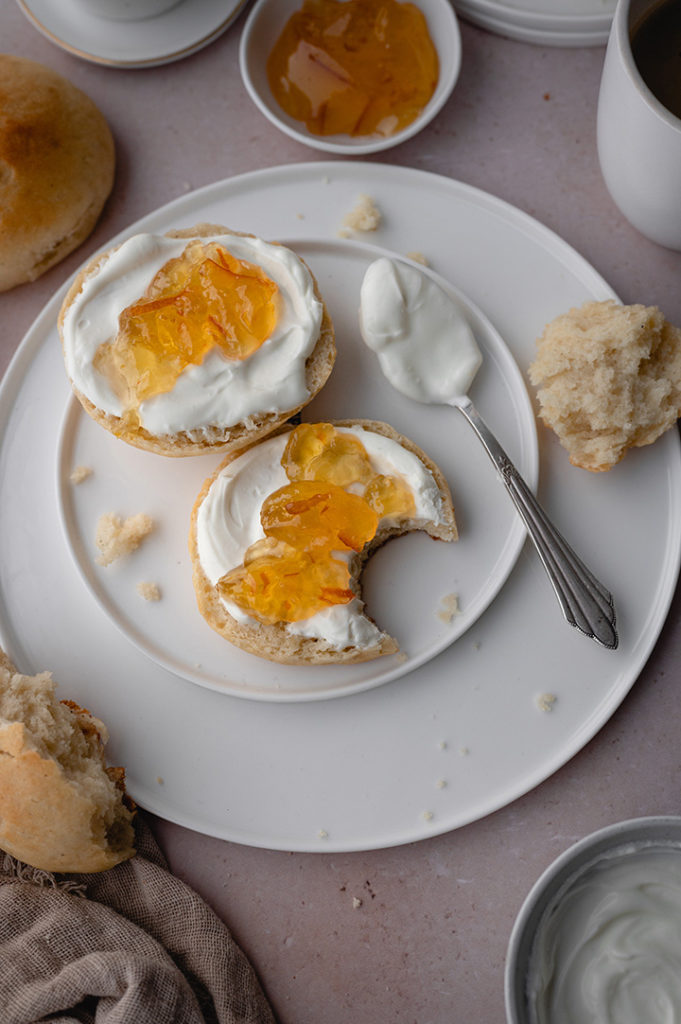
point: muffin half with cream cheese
(202, 339)
(281, 531)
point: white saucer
(184, 29)
(546, 22)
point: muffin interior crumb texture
(364, 216)
(116, 537)
(608, 378)
(64, 809)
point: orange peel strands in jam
(204, 299)
(293, 572)
(358, 67)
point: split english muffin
(280, 533)
(202, 339)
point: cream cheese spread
(219, 392)
(610, 950)
(228, 522)
(424, 345)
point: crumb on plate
(116, 537)
(417, 257)
(365, 216)
(149, 591)
(449, 608)
(80, 473)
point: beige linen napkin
(132, 945)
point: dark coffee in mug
(656, 47)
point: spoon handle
(585, 602)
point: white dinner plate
(174, 634)
(546, 22)
(455, 739)
(178, 32)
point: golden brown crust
(56, 168)
(318, 366)
(61, 808)
(274, 642)
(608, 378)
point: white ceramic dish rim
(561, 22)
(449, 52)
(153, 53)
(654, 830)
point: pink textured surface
(428, 941)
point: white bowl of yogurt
(598, 938)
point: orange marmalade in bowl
(354, 67)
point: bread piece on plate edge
(61, 808)
(272, 641)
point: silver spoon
(586, 603)
(427, 351)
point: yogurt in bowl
(598, 939)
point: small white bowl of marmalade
(350, 76)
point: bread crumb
(149, 591)
(365, 216)
(356, 903)
(160, 780)
(418, 257)
(80, 473)
(401, 656)
(116, 537)
(545, 701)
(427, 815)
(322, 834)
(441, 783)
(464, 751)
(449, 608)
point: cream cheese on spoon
(423, 343)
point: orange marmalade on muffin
(333, 503)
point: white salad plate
(546, 22)
(444, 744)
(407, 586)
(178, 32)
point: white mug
(639, 140)
(127, 10)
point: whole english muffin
(608, 378)
(56, 168)
(61, 807)
(276, 380)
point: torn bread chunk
(608, 379)
(61, 807)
